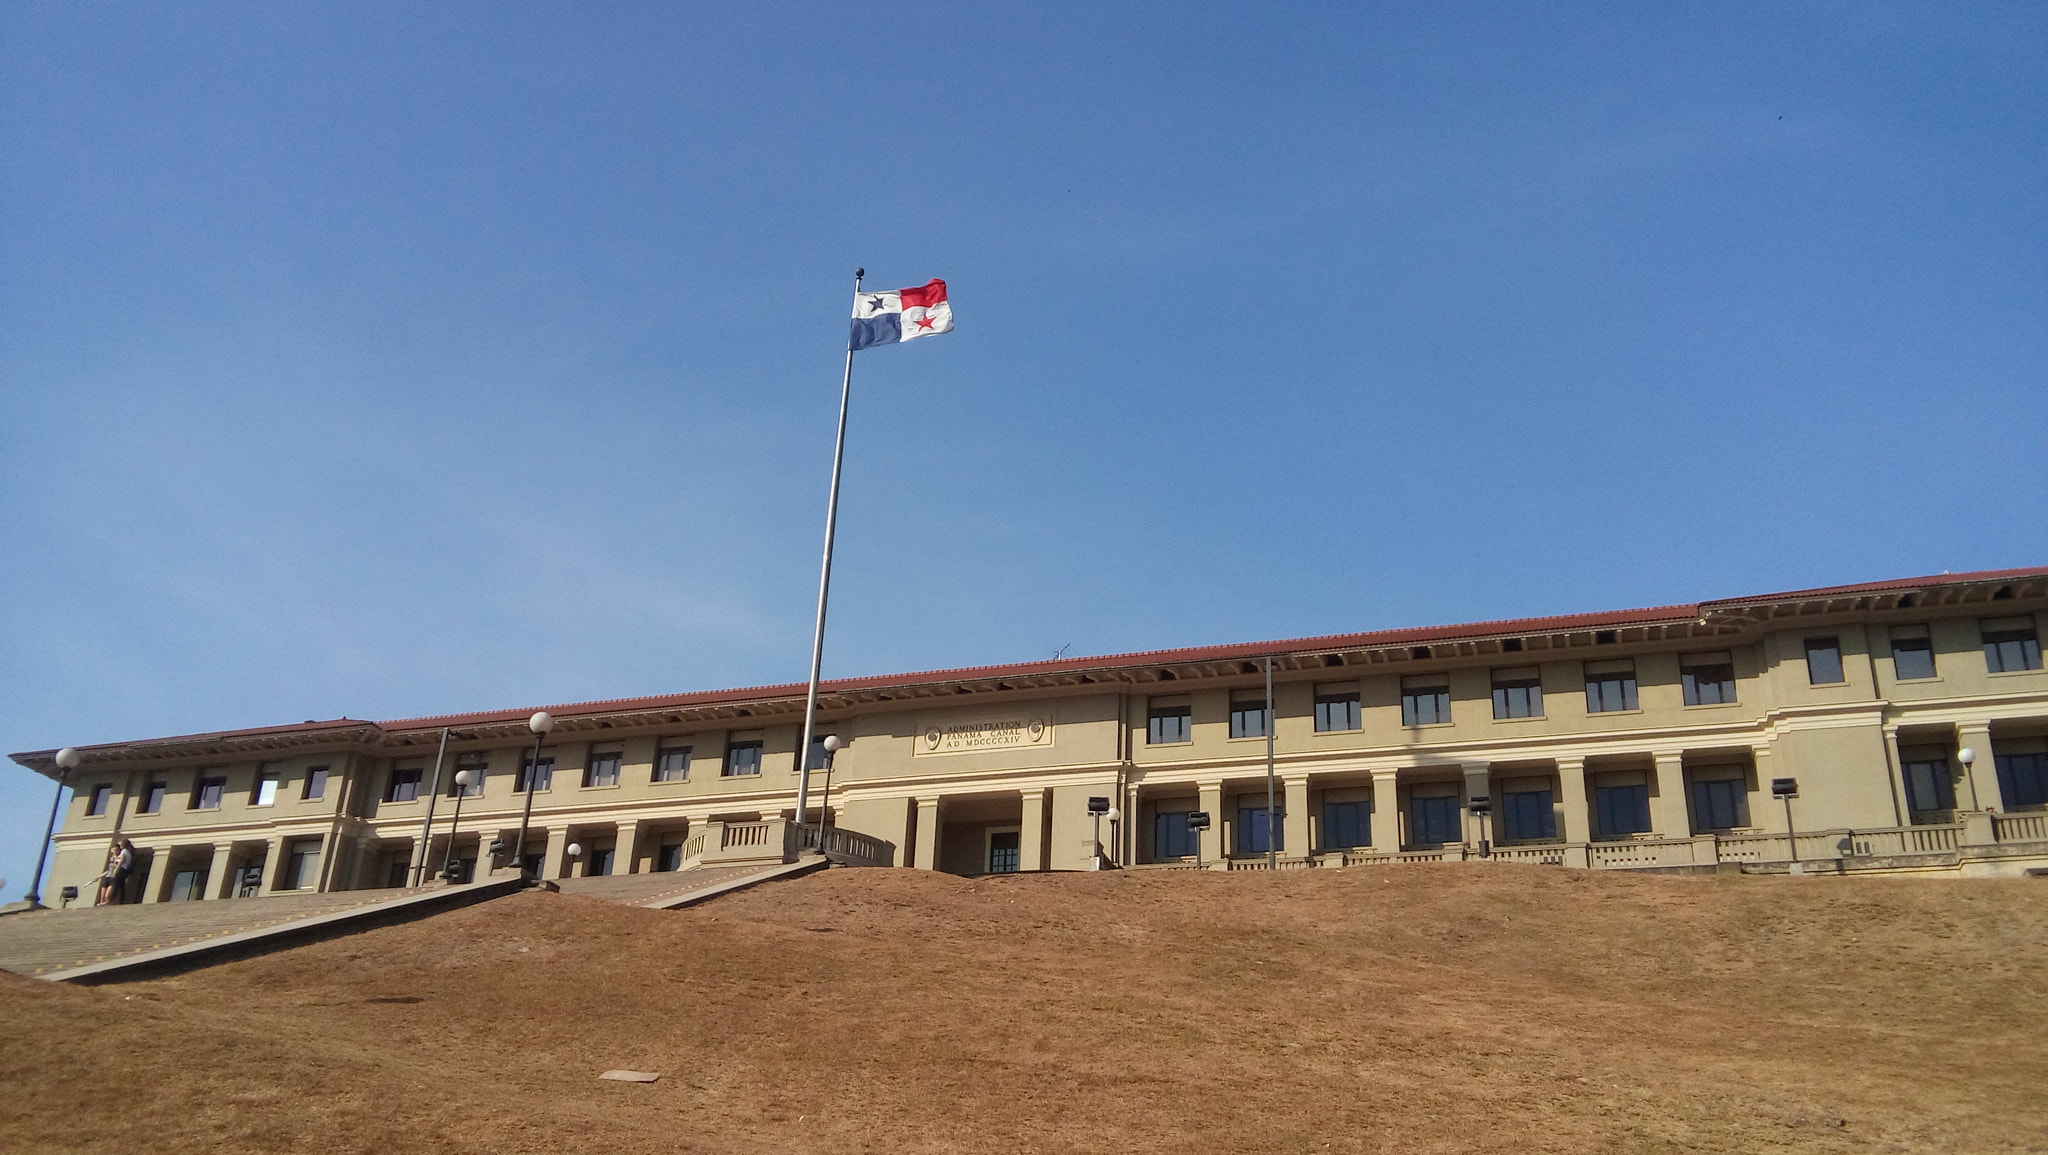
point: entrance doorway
(1002, 850)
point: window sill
(607, 786)
(1428, 726)
(1922, 681)
(1708, 706)
(728, 777)
(1158, 745)
(668, 782)
(1347, 730)
(1613, 713)
(2009, 673)
(1528, 718)
(1248, 738)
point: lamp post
(575, 851)
(833, 745)
(1114, 815)
(540, 724)
(1968, 758)
(1097, 807)
(67, 761)
(462, 780)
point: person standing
(113, 867)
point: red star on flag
(925, 322)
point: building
(1629, 739)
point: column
(273, 866)
(1211, 794)
(220, 882)
(1031, 831)
(1386, 811)
(1571, 788)
(555, 862)
(1478, 784)
(927, 834)
(626, 851)
(159, 870)
(1294, 828)
(1983, 773)
(1668, 813)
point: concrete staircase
(670, 890)
(46, 941)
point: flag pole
(803, 749)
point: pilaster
(219, 880)
(555, 860)
(1031, 831)
(273, 866)
(626, 851)
(927, 834)
(1571, 789)
(1386, 810)
(159, 868)
(1668, 813)
(1211, 794)
(1294, 819)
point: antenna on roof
(1062, 651)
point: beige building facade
(1635, 739)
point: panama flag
(899, 315)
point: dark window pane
(153, 798)
(1171, 837)
(604, 771)
(1623, 810)
(672, 764)
(1611, 692)
(207, 795)
(1912, 658)
(1249, 719)
(405, 785)
(98, 805)
(1528, 815)
(1170, 724)
(1003, 852)
(1928, 785)
(1719, 805)
(1518, 699)
(1708, 685)
(316, 782)
(1346, 824)
(2023, 779)
(541, 779)
(1434, 821)
(1251, 831)
(2009, 650)
(1428, 707)
(1823, 661)
(1338, 712)
(742, 759)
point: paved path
(677, 888)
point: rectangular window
(1003, 851)
(316, 783)
(1720, 803)
(188, 886)
(2010, 644)
(478, 767)
(266, 789)
(299, 870)
(97, 806)
(1425, 700)
(541, 778)
(1929, 787)
(1709, 678)
(603, 771)
(1824, 661)
(1912, 653)
(819, 757)
(153, 798)
(672, 764)
(1433, 820)
(742, 758)
(670, 858)
(1249, 717)
(1346, 824)
(1527, 815)
(1337, 708)
(1610, 686)
(1171, 837)
(206, 793)
(2023, 779)
(1517, 693)
(1252, 830)
(405, 784)
(600, 863)
(1170, 721)
(1622, 809)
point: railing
(1549, 855)
(1649, 852)
(1933, 839)
(744, 834)
(2020, 827)
(1368, 857)
(849, 846)
(1260, 863)
(693, 847)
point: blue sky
(390, 359)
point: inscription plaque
(969, 735)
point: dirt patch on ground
(1416, 1009)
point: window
(1610, 686)
(1171, 720)
(299, 868)
(1824, 661)
(819, 757)
(742, 757)
(316, 783)
(98, 803)
(1623, 809)
(1929, 786)
(1433, 820)
(2010, 644)
(207, 791)
(1527, 815)
(1249, 717)
(2023, 779)
(1171, 837)
(1337, 708)
(600, 862)
(478, 768)
(670, 858)
(1003, 851)
(405, 784)
(1517, 693)
(672, 764)
(604, 771)
(1347, 824)
(1252, 830)
(1425, 700)
(1709, 678)
(188, 886)
(265, 793)
(1912, 653)
(153, 798)
(540, 778)
(1720, 800)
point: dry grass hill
(1418, 1009)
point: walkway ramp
(110, 943)
(672, 890)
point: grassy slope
(1411, 1009)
